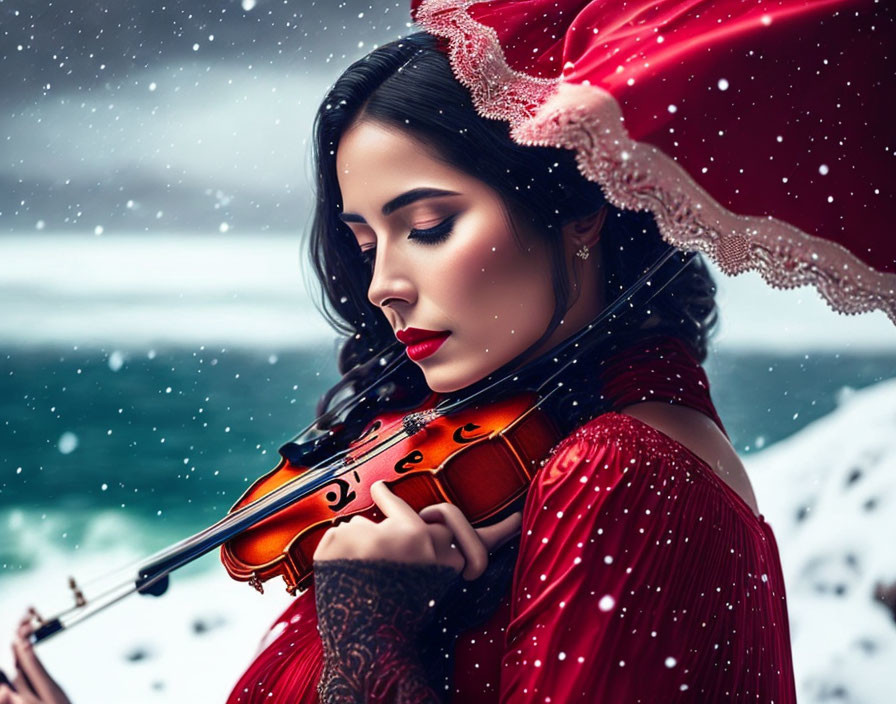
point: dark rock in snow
(204, 624)
(886, 593)
(138, 653)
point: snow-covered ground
(188, 646)
(839, 474)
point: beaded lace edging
(638, 176)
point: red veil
(760, 133)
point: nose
(391, 282)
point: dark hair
(409, 84)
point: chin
(443, 384)
(447, 378)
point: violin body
(482, 459)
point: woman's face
(445, 258)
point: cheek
(495, 289)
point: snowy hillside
(829, 493)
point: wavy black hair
(408, 84)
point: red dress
(641, 576)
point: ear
(585, 231)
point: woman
(639, 568)
(481, 255)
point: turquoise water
(156, 445)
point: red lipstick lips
(421, 343)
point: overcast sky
(128, 117)
(133, 117)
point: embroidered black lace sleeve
(370, 613)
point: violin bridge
(256, 583)
(413, 423)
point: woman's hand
(32, 683)
(439, 534)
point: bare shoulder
(702, 436)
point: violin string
(90, 599)
(608, 312)
(122, 570)
(314, 477)
(309, 477)
(309, 481)
(389, 367)
(75, 615)
(326, 470)
(611, 310)
(171, 550)
(309, 474)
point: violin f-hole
(404, 464)
(342, 497)
(459, 436)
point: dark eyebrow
(401, 201)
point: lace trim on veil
(638, 176)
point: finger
(25, 627)
(21, 681)
(355, 519)
(474, 550)
(447, 551)
(391, 505)
(7, 696)
(33, 670)
(49, 692)
(494, 536)
(21, 684)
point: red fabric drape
(781, 108)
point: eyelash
(432, 235)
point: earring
(583, 253)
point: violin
(480, 459)
(477, 452)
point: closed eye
(434, 235)
(431, 235)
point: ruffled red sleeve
(638, 579)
